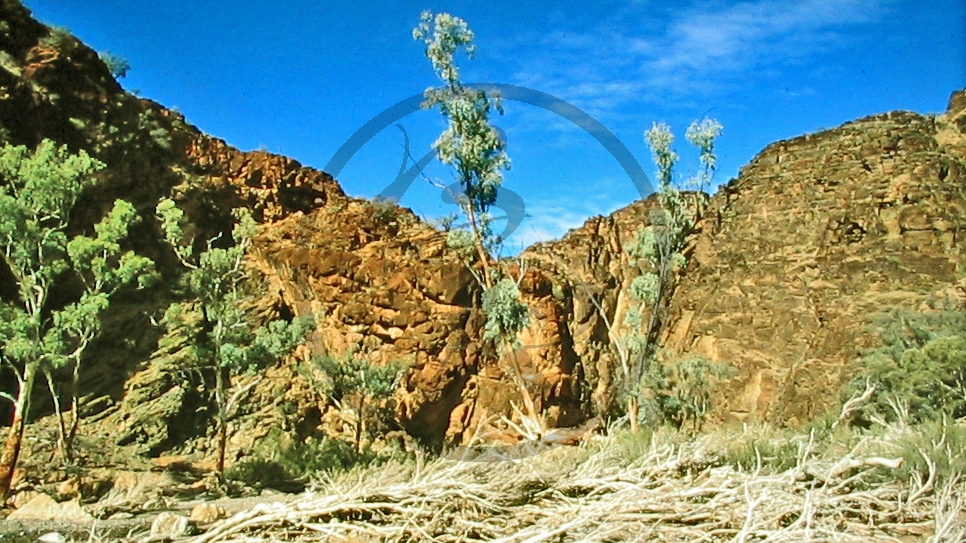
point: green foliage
(352, 375)
(59, 37)
(39, 191)
(131, 128)
(633, 341)
(116, 64)
(388, 214)
(352, 382)
(260, 473)
(287, 466)
(702, 135)
(216, 280)
(644, 288)
(773, 450)
(658, 250)
(460, 240)
(225, 338)
(444, 223)
(472, 146)
(10, 64)
(680, 391)
(644, 246)
(627, 447)
(935, 443)
(313, 456)
(505, 313)
(148, 122)
(659, 138)
(469, 143)
(172, 217)
(921, 364)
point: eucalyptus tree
(473, 148)
(659, 248)
(470, 144)
(224, 339)
(38, 190)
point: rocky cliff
(377, 280)
(815, 235)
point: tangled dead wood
(668, 492)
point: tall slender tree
(659, 249)
(226, 339)
(470, 144)
(473, 147)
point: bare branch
(854, 403)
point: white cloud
(699, 51)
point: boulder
(43, 507)
(169, 526)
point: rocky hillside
(815, 235)
(818, 234)
(375, 277)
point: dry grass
(629, 487)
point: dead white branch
(601, 491)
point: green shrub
(505, 313)
(9, 63)
(921, 365)
(304, 459)
(351, 382)
(259, 473)
(59, 37)
(628, 446)
(116, 64)
(289, 466)
(680, 391)
(935, 443)
(387, 212)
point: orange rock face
(817, 234)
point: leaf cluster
(60, 38)
(225, 334)
(117, 65)
(350, 381)
(350, 375)
(680, 391)
(505, 313)
(40, 189)
(921, 364)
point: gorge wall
(815, 235)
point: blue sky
(299, 77)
